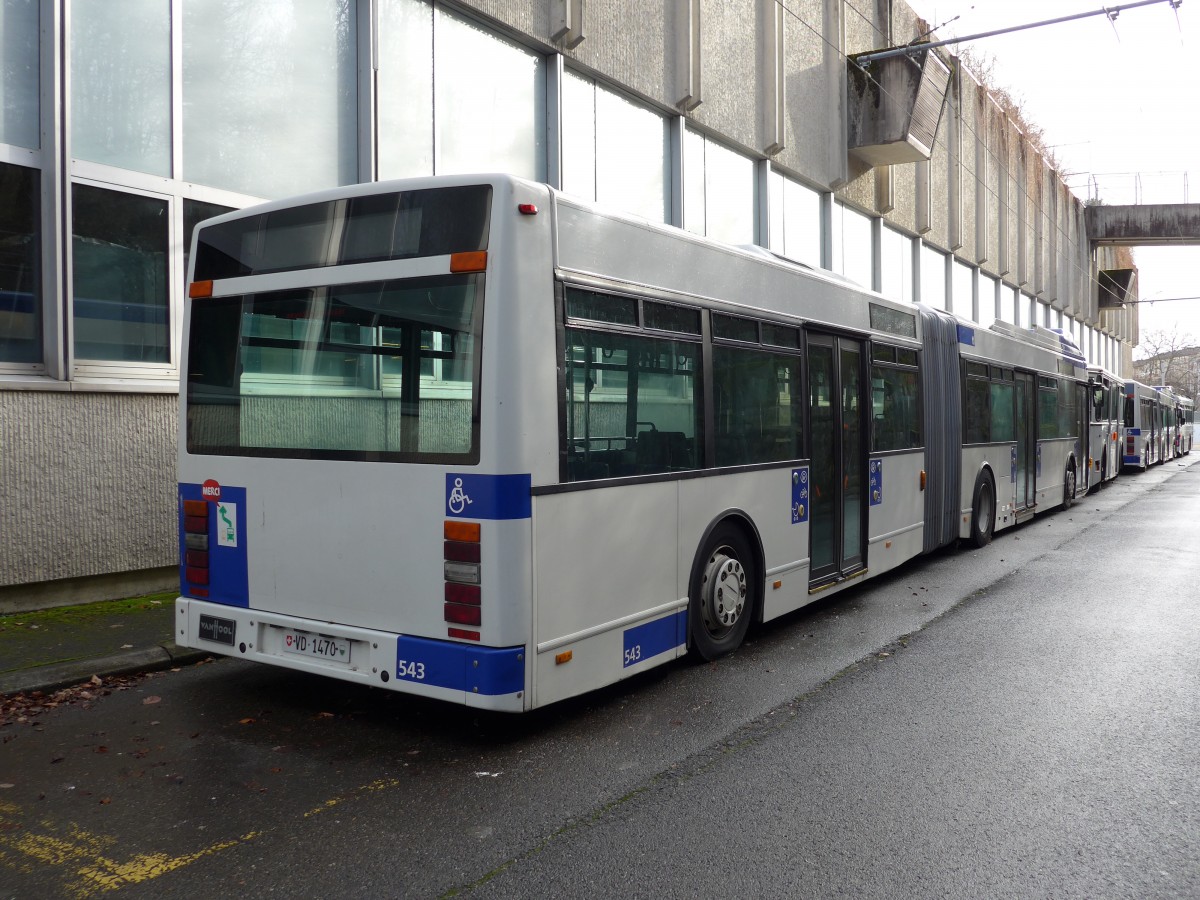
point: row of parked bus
(472, 439)
(1135, 425)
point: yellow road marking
(380, 784)
(91, 869)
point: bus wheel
(721, 600)
(1069, 486)
(983, 511)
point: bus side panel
(585, 601)
(765, 498)
(998, 459)
(895, 510)
(1053, 456)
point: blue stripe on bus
(488, 496)
(1133, 460)
(652, 638)
(966, 335)
(488, 671)
(1137, 432)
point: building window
(795, 220)
(718, 190)
(459, 121)
(933, 277)
(270, 96)
(20, 252)
(962, 291)
(614, 150)
(1010, 305)
(896, 275)
(852, 245)
(121, 84)
(119, 252)
(195, 212)
(987, 301)
(19, 64)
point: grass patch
(85, 612)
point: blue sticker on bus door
(488, 496)
(652, 638)
(1013, 465)
(800, 495)
(876, 482)
(1039, 461)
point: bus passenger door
(1026, 415)
(837, 524)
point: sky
(1119, 104)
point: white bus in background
(1142, 429)
(1104, 429)
(469, 438)
(1187, 412)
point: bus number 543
(633, 654)
(413, 670)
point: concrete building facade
(123, 124)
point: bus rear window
(397, 225)
(382, 371)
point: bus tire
(983, 510)
(1069, 486)
(722, 596)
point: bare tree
(1169, 357)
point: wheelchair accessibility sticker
(488, 496)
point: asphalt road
(1015, 721)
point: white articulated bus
(469, 438)
(1143, 426)
(1104, 430)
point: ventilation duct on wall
(1116, 286)
(895, 105)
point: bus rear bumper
(477, 676)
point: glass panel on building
(962, 290)
(578, 138)
(795, 220)
(20, 252)
(404, 87)
(852, 244)
(195, 212)
(121, 84)
(632, 161)
(718, 191)
(119, 258)
(614, 150)
(933, 277)
(270, 96)
(489, 102)
(895, 256)
(19, 68)
(987, 301)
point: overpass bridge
(1144, 225)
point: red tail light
(461, 554)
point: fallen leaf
(151, 700)
(127, 646)
(104, 801)
(246, 721)
(5, 786)
(95, 679)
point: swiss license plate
(317, 645)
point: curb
(51, 678)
